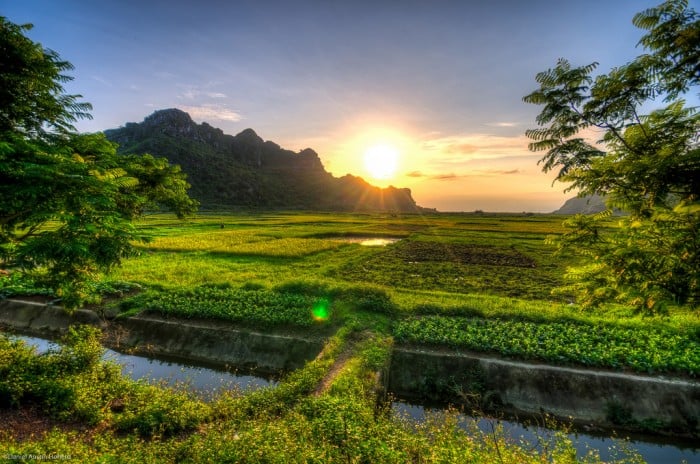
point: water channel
(207, 380)
(202, 379)
(652, 449)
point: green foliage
(257, 307)
(367, 298)
(18, 283)
(67, 201)
(67, 208)
(70, 383)
(151, 411)
(560, 342)
(31, 86)
(646, 165)
(648, 263)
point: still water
(608, 448)
(204, 380)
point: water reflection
(204, 380)
(369, 240)
(608, 448)
(378, 241)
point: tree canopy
(67, 200)
(596, 134)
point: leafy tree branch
(647, 165)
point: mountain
(244, 171)
(591, 204)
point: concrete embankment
(212, 342)
(608, 399)
(603, 398)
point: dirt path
(340, 362)
(337, 367)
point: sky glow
(441, 81)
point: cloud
(461, 148)
(450, 176)
(102, 80)
(502, 124)
(414, 174)
(189, 94)
(193, 92)
(164, 75)
(501, 171)
(470, 173)
(212, 113)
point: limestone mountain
(591, 204)
(244, 171)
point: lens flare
(320, 311)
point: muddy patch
(460, 253)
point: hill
(585, 205)
(244, 171)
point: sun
(382, 161)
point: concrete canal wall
(212, 342)
(595, 396)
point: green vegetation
(598, 345)
(73, 384)
(67, 200)
(647, 165)
(258, 307)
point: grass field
(501, 255)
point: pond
(368, 241)
(652, 449)
(206, 380)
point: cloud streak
(502, 124)
(473, 173)
(458, 149)
(212, 113)
(194, 93)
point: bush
(369, 299)
(69, 383)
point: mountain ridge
(245, 171)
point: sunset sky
(440, 82)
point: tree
(31, 86)
(67, 200)
(647, 165)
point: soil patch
(461, 253)
(28, 422)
